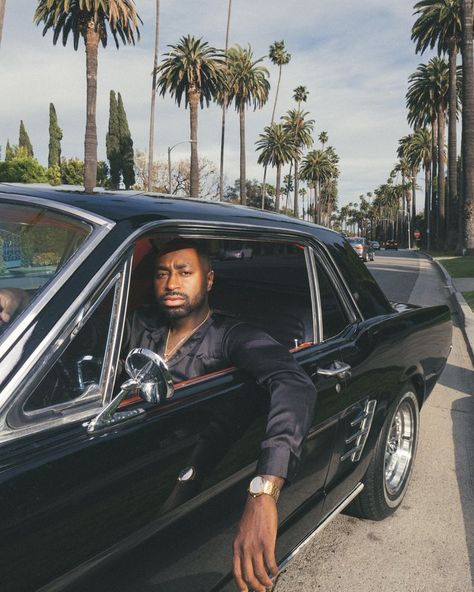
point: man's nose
(173, 281)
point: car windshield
(356, 241)
(35, 243)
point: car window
(35, 243)
(263, 283)
(76, 374)
(334, 315)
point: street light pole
(169, 160)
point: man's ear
(210, 280)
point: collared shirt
(222, 342)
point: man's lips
(173, 300)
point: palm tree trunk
(224, 108)
(277, 188)
(2, 16)
(427, 204)
(434, 177)
(413, 194)
(453, 204)
(316, 200)
(468, 123)
(295, 200)
(193, 121)
(92, 39)
(151, 137)
(273, 119)
(441, 175)
(243, 186)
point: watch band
(260, 486)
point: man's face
(181, 283)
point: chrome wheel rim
(399, 448)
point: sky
(353, 57)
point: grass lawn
(469, 297)
(457, 267)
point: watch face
(187, 474)
(256, 485)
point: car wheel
(390, 469)
(365, 258)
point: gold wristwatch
(258, 486)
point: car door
(75, 498)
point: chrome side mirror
(149, 377)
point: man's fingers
(237, 571)
(248, 574)
(270, 561)
(260, 572)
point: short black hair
(179, 243)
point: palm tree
(247, 86)
(279, 57)
(224, 109)
(468, 123)
(418, 151)
(300, 129)
(91, 20)
(323, 138)
(427, 99)
(151, 137)
(300, 95)
(439, 25)
(277, 148)
(195, 71)
(317, 167)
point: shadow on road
(459, 379)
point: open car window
(262, 283)
(35, 244)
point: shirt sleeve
(292, 396)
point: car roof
(125, 205)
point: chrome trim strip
(360, 437)
(315, 296)
(60, 279)
(355, 492)
(114, 338)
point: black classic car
(89, 465)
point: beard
(183, 310)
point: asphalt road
(428, 544)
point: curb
(460, 306)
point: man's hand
(254, 544)
(11, 299)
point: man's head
(183, 278)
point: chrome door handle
(338, 369)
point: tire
(390, 469)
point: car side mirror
(149, 378)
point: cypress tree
(24, 140)
(113, 143)
(126, 146)
(9, 152)
(55, 137)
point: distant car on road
(391, 244)
(236, 252)
(375, 245)
(362, 247)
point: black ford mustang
(88, 470)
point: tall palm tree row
(151, 133)
(318, 167)
(247, 86)
(91, 20)
(195, 72)
(439, 25)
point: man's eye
(186, 273)
(160, 275)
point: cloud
(354, 57)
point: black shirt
(222, 342)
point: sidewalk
(466, 316)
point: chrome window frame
(100, 228)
